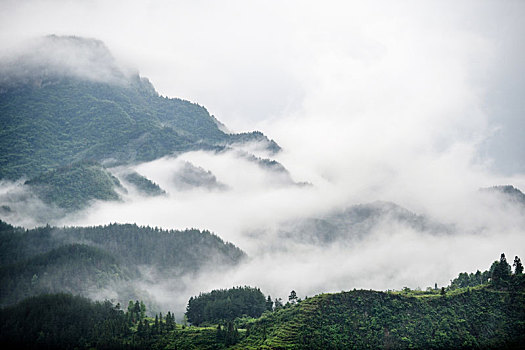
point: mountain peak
(54, 57)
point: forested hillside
(74, 186)
(62, 322)
(343, 226)
(488, 316)
(85, 259)
(476, 318)
(52, 115)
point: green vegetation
(225, 305)
(79, 259)
(144, 185)
(58, 120)
(72, 268)
(488, 316)
(480, 318)
(72, 187)
(62, 322)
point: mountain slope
(508, 193)
(477, 318)
(72, 268)
(74, 103)
(352, 223)
(73, 187)
(112, 256)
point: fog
(257, 210)
(419, 104)
(37, 58)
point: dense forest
(489, 315)
(77, 259)
(52, 118)
(226, 305)
(72, 187)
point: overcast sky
(434, 73)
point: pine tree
(501, 272)
(278, 303)
(293, 297)
(156, 324)
(518, 267)
(142, 310)
(269, 303)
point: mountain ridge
(54, 115)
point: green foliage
(482, 317)
(465, 279)
(72, 187)
(107, 253)
(255, 136)
(62, 322)
(73, 268)
(144, 185)
(501, 272)
(366, 319)
(225, 305)
(518, 267)
(57, 121)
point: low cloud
(256, 211)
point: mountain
(507, 192)
(71, 268)
(73, 186)
(349, 224)
(105, 260)
(482, 316)
(66, 99)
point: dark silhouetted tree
(518, 267)
(292, 298)
(269, 303)
(501, 272)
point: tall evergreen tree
(518, 267)
(501, 272)
(292, 298)
(269, 303)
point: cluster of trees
(160, 326)
(62, 321)
(500, 275)
(465, 279)
(226, 305)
